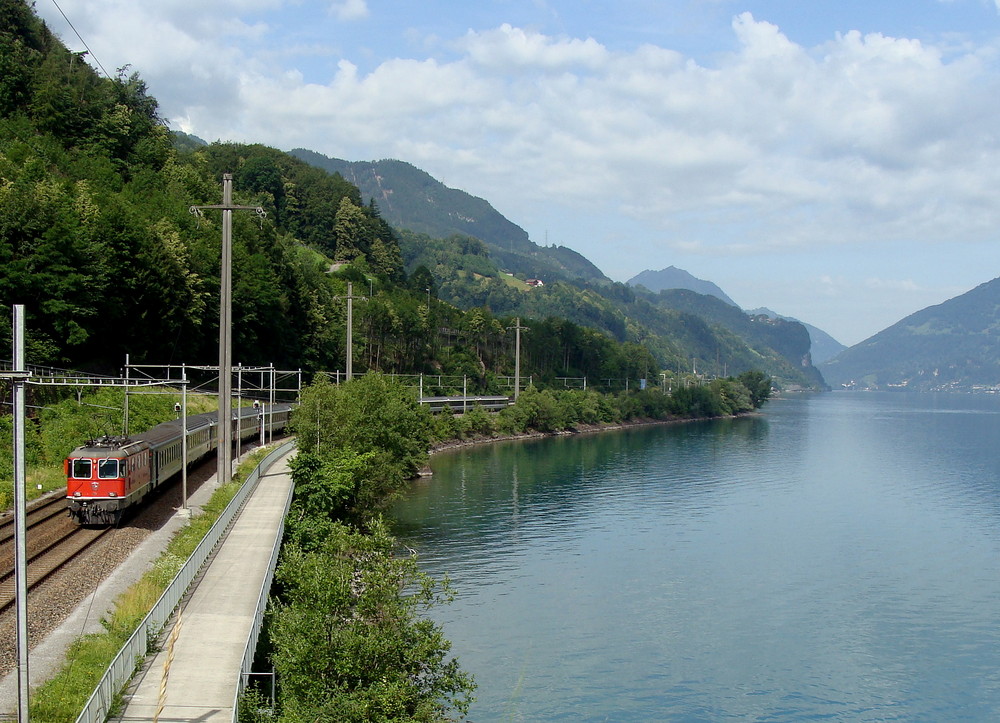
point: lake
(835, 558)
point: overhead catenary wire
(90, 52)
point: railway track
(53, 540)
(36, 514)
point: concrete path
(200, 681)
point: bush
(350, 646)
(370, 413)
(695, 402)
(329, 488)
(479, 422)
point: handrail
(130, 657)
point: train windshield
(82, 468)
(107, 468)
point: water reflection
(836, 558)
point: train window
(107, 468)
(82, 468)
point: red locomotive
(108, 476)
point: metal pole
(259, 409)
(225, 336)
(350, 330)
(225, 324)
(517, 359)
(272, 399)
(263, 409)
(184, 438)
(125, 420)
(20, 512)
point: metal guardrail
(132, 654)
(461, 404)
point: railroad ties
(54, 541)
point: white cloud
(771, 148)
(350, 9)
(508, 47)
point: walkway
(216, 622)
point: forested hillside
(412, 199)
(823, 347)
(683, 330)
(477, 258)
(97, 240)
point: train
(108, 477)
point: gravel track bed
(51, 603)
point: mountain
(824, 347)
(675, 278)
(186, 142)
(953, 346)
(412, 199)
(788, 339)
(95, 227)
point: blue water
(837, 558)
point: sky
(834, 161)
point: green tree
(735, 397)
(758, 384)
(373, 413)
(422, 281)
(349, 231)
(349, 646)
(385, 258)
(327, 489)
(260, 174)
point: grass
(61, 699)
(38, 481)
(515, 282)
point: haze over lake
(836, 557)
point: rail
(130, 657)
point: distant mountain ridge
(824, 347)
(675, 278)
(435, 223)
(788, 338)
(410, 198)
(952, 346)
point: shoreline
(456, 444)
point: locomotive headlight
(112, 494)
(76, 494)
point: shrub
(349, 645)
